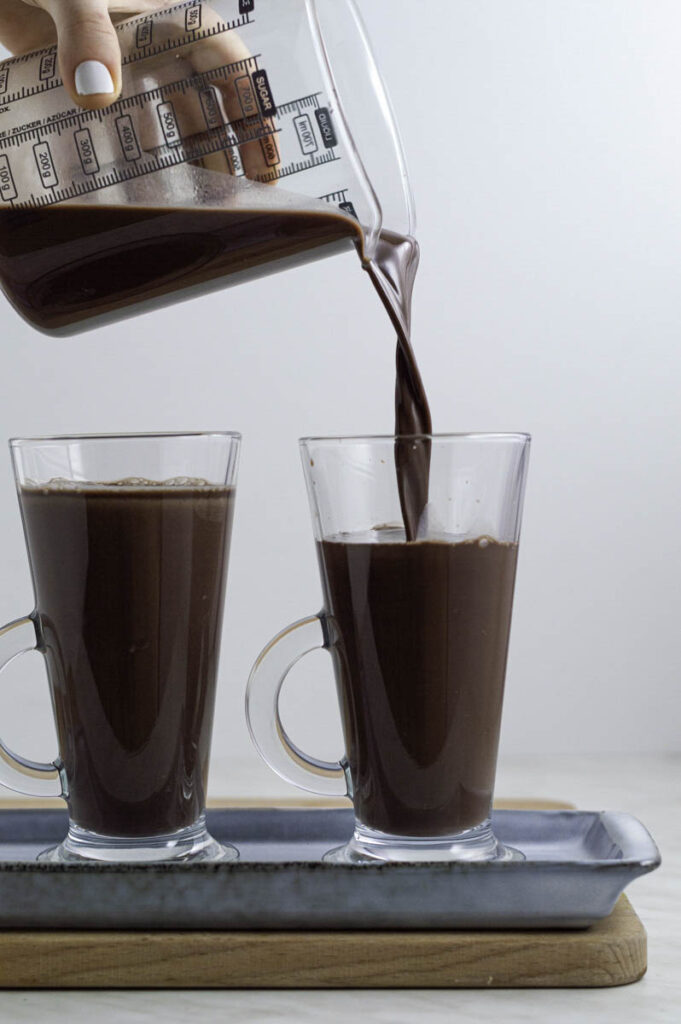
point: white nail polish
(92, 78)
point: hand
(90, 61)
(89, 54)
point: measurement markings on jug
(305, 133)
(263, 93)
(244, 90)
(297, 166)
(336, 198)
(48, 66)
(128, 138)
(192, 18)
(192, 36)
(234, 160)
(210, 106)
(348, 207)
(144, 34)
(86, 151)
(328, 132)
(58, 122)
(4, 79)
(246, 6)
(270, 150)
(169, 125)
(173, 150)
(295, 106)
(38, 69)
(7, 190)
(340, 199)
(45, 165)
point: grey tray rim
(637, 852)
(278, 894)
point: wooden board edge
(301, 803)
(612, 953)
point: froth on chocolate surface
(60, 485)
(395, 535)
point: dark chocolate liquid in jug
(66, 265)
(63, 266)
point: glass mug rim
(57, 439)
(349, 439)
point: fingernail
(92, 78)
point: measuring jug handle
(327, 778)
(31, 778)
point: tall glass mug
(418, 633)
(128, 542)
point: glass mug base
(472, 845)
(187, 845)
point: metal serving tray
(576, 865)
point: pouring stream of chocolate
(63, 266)
(393, 273)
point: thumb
(89, 54)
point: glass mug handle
(31, 778)
(327, 778)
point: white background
(544, 143)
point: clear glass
(128, 542)
(220, 103)
(418, 633)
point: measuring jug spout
(230, 154)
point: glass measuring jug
(250, 136)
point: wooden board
(612, 952)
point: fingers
(90, 66)
(225, 60)
(220, 51)
(89, 54)
(22, 31)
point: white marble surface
(645, 786)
